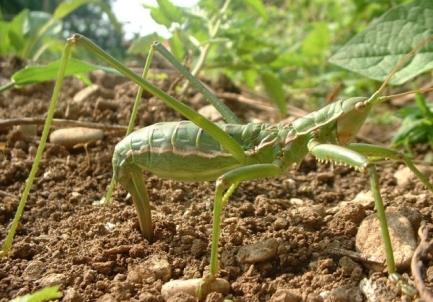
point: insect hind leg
(132, 180)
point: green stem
(226, 113)
(204, 51)
(7, 86)
(7, 244)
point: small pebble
(191, 287)
(86, 93)
(52, 279)
(70, 137)
(369, 239)
(258, 252)
(210, 113)
(71, 295)
(405, 176)
(34, 270)
(285, 295)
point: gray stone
(369, 240)
(258, 252)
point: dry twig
(5, 123)
(420, 255)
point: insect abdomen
(175, 150)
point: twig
(4, 193)
(351, 254)
(5, 123)
(420, 255)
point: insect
(231, 153)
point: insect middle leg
(225, 186)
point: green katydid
(230, 153)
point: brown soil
(95, 251)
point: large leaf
(377, 50)
(43, 73)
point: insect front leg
(343, 155)
(379, 152)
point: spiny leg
(343, 155)
(132, 181)
(386, 153)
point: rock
(70, 137)
(369, 239)
(160, 267)
(71, 295)
(152, 269)
(34, 270)
(258, 252)
(405, 176)
(285, 295)
(52, 279)
(210, 113)
(343, 294)
(377, 290)
(365, 198)
(86, 93)
(192, 286)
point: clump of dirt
(98, 253)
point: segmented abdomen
(183, 151)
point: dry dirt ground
(97, 252)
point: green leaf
(259, 7)
(316, 43)
(45, 294)
(274, 89)
(43, 73)
(377, 50)
(67, 7)
(166, 13)
(176, 45)
(173, 13)
(142, 45)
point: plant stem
(204, 50)
(7, 86)
(7, 244)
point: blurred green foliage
(37, 29)
(279, 46)
(417, 124)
